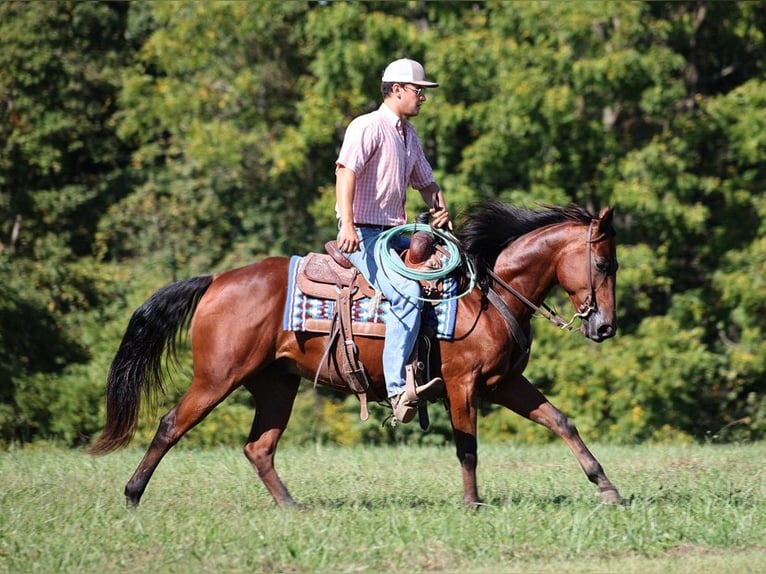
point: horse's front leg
(523, 398)
(463, 413)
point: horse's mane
(486, 229)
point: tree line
(143, 142)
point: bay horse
(237, 339)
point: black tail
(138, 366)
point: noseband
(586, 308)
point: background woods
(144, 142)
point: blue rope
(450, 243)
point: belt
(374, 226)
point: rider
(381, 155)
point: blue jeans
(403, 318)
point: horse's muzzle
(598, 329)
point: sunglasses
(417, 91)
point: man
(380, 157)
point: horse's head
(588, 274)
(538, 249)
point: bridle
(585, 310)
(589, 306)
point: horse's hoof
(290, 505)
(473, 504)
(610, 496)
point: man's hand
(348, 240)
(440, 218)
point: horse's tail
(137, 367)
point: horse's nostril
(605, 330)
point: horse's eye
(603, 266)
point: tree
(60, 166)
(205, 106)
(146, 141)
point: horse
(237, 339)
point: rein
(585, 310)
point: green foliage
(59, 72)
(205, 105)
(146, 141)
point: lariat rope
(451, 245)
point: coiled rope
(451, 245)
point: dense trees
(143, 142)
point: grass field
(698, 509)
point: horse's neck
(529, 264)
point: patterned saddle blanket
(313, 314)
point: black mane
(488, 228)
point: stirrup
(414, 393)
(413, 401)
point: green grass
(695, 509)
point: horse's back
(269, 268)
(240, 315)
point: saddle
(323, 272)
(332, 276)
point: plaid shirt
(385, 161)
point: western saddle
(332, 276)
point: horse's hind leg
(193, 406)
(274, 395)
(523, 398)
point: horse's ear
(605, 221)
(605, 218)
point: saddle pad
(311, 314)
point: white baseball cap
(407, 71)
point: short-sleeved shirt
(385, 162)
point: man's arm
(345, 186)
